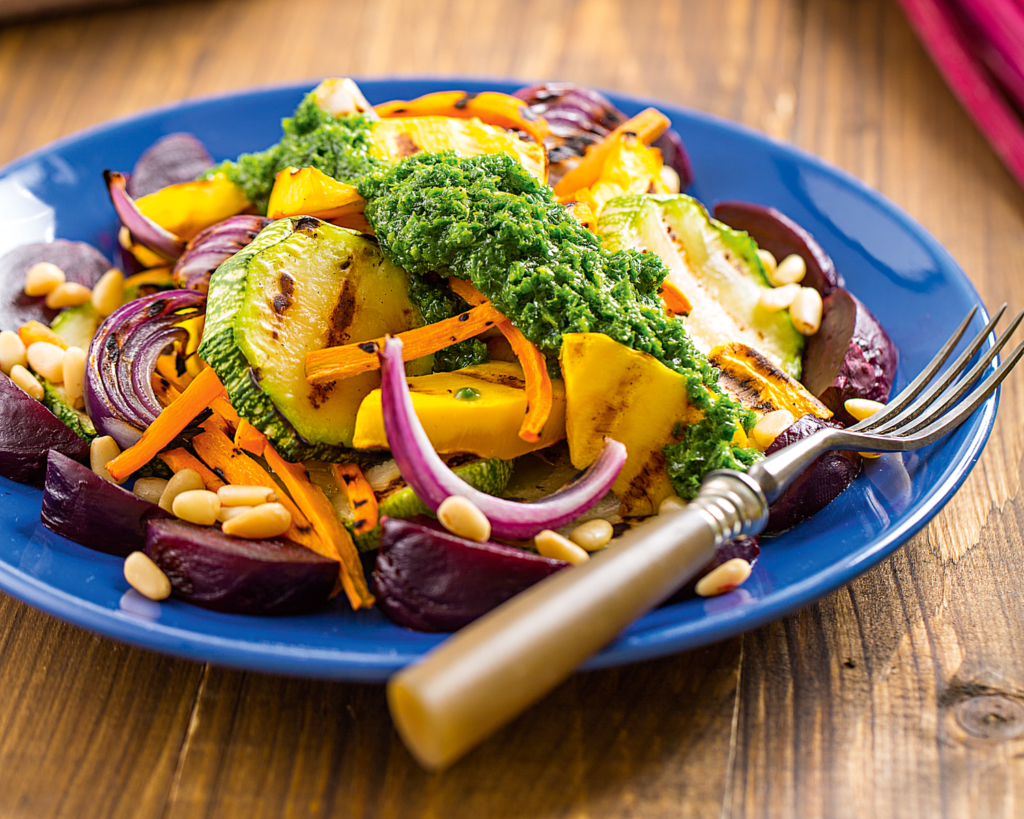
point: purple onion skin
(430, 580)
(81, 506)
(851, 355)
(777, 233)
(143, 229)
(580, 116)
(119, 395)
(28, 430)
(265, 577)
(432, 480)
(820, 484)
(170, 160)
(81, 263)
(211, 247)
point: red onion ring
(208, 249)
(432, 480)
(143, 229)
(118, 392)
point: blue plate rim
(355, 666)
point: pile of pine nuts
(804, 303)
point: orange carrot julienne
(338, 542)
(648, 125)
(539, 394)
(334, 363)
(32, 331)
(675, 299)
(219, 453)
(174, 418)
(249, 438)
(179, 459)
(361, 496)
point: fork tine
(945, 424)
(949, 389)
(913, 389)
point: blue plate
(904, 276)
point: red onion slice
(433, 481)
(208, 249)
(119, 396)
(143, 229)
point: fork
(496, 667)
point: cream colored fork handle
(495, 668)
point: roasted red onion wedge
(820, 484)
(211, 247)
(432, 480)
(777, 233)
(143, 229)
(28, 430)
(119, 393)
(81, 506)
(430, 580)
(80, 262)
(210, 569)
(170, 160)
(851, 355)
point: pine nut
(263, 521)
(146, 577)
(226, 513)
(724, 578)
(47, 360)
(12, 351)
(774, 299)
(673, 503)
(73, 368)
(150, 489)
(108, 292)
(461, 517)
(553, 545)
(791, 269)
(670, 179)
(42, 278)
(862, 408)
(102, 451)
(199, 506)
(767, 261)
(28, 382)
(806, 311)
(592, 535)
(231, 495)
(770, 426)
(69, 294)
(182, 481)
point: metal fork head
(932, 405)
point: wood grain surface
(900, 695)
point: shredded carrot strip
(539, 394)
(249, 438)
(199, 395)
(334, 363)
(361, 496)
(34, 331)
(648, 125)
(219, 453)
(491, 107)
(675, 299)
(317, 507)
(223, 408)
(179, 459)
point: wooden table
(900, 695)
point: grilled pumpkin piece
(759, 385)
(477, 409)
(611, 390)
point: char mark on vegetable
(406, 146)
(305, 223)
(342, 315)
(466, 99)
(283, 300)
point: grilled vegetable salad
(400, 330)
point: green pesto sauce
(487, 220)
(337, 146)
